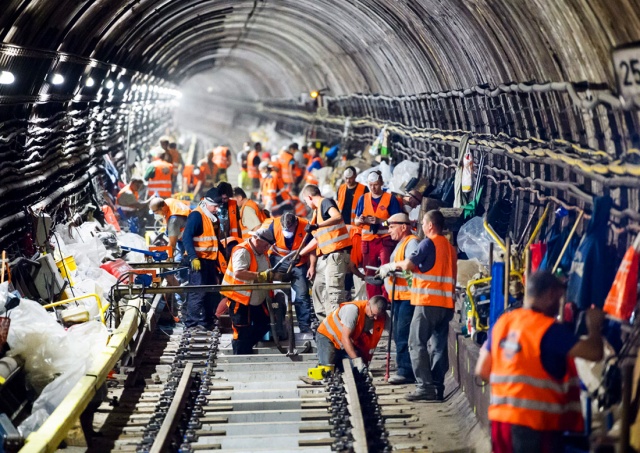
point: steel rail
(172, 418)
(355, 410)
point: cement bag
(81, 343)
(474, 240)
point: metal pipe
(538, 227)
(122, 290)
(507, 272)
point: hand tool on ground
(372, 279)
(155, 256)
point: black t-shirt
(326, 206)
(349, 204)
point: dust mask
(287, 234)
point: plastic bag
(81, 343)
(134, 241)
(384, 168)
(474, 240)
(402, 174)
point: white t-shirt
(241, 260)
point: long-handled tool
(394, 275)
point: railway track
(198, 396)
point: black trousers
(250, 323)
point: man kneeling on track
(247, 309)
(353, 331)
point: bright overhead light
(57, 79)
(90, 82)
(314, 94)
(121, 86)
(110, 84)
(134, 87)
(6, 78)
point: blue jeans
(327, 352)
(402, 315)
(302, 302)
(202, 306)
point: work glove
(311, 227)
(264, 276)
(358, 364)
(196, 265)
(385, 270)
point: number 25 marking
(631, 67)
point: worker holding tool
(353, 331)
(331, 239)
(251, 216)
(371, 211)
(401, 308)
(289, 233)
(529, 361)
(434, 267)
(174, 214)
(247, 309)
(201, 243)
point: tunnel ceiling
(278, 49)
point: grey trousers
(328, 286)
(428, 337)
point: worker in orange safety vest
(348, 195)
(352, 331)
(372, 210)
(529, 362)
(251, 215)
(247, 308)
(222, 160)
(159, 176)
(288, 164)
(207, 175)
(253, 170)
(174, 214)
(400, 231)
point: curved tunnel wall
(259, 50)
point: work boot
(398, 379)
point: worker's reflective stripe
(204, 238)
(330, 330)
(547, 384)
(280, 251)
(431, 292)
(152, 184)
(552, 408)
(434, 278)
(381, 231)
(233, 232)
(126, 208)
(399, 288)
(333, 241)
(206, 249)
(332, 227)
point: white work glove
(358, 364)
(385, 270)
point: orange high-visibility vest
(364, 342)
(220, 157)
(382, 212)
(522, 392)
(300, 207)
(259, 213)
(272, 187)
(110, 217)
(234, 223)
(206, 244)
(280, 247)
(403, 290)
(355, 233)
(342, 192)
(188, 175)
(285, 159)
(436, 287)
(175, 159)
(161, 181)
(207, 170)
(127, 189)
(331, 238)
(242, 297)
(252, 170)
(176, 207)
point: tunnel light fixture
(134, 87)
(315, 93)
(109, 84)
(57, 79)
(6, 78)
(143, 88)
(121, 86)
(90, 82)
